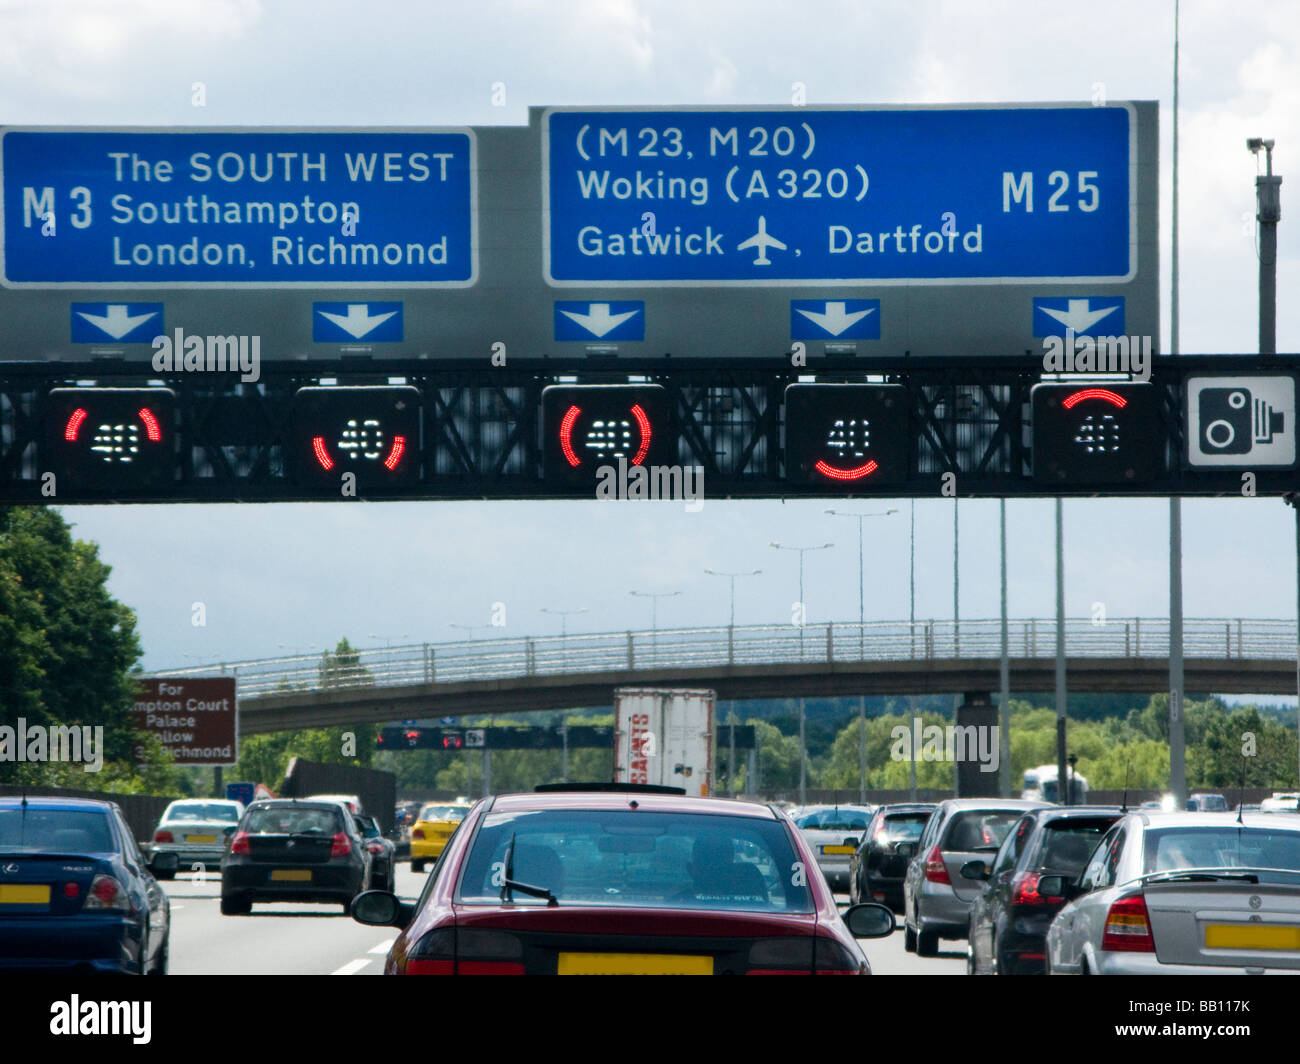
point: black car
(291, 850)
(1009, 920)
(383, 854)
(75, 892)
(876, 869)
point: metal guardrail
(676, 648)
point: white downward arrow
(358, 321)
(836, 319)
(600, 320)
(1077, 316)
(116, 321)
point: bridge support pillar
(977, 747)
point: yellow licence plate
(633, 964)
(291, 875)
(838, 849)
(1252, 936)
(24, 894)
(200, 838)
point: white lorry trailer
(664, 737)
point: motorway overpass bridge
(530, 673)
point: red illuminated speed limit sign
(846, 437)
(589, 426)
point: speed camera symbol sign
(1244, 422)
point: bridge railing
(676, 649)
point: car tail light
(239, 843)
(375, 847)
(935, 870)
(106, 893)
(71, 890)
(341, 845)
(1128, 929)
(801, 956)
(1024, 890)
(417, 833)
(467, 951)
(163, 836)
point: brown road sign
(194, 718)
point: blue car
(75, 893)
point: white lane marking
(384, 947)
(352, 967)
(175, 907)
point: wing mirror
(379, 908)
(906, 850)
(1057, 886)
(974, 870)
(869, 920)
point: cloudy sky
(275, 578)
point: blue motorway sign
(621, 320)
(814, 196)
(1089, 316)
(99, 323)
(226, 208)
(345, 322)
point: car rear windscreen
(640, 859)
(292, 820)
(1168, 849)
(443, 812)
(834, 820)
(979, 830)
(902, 827)
(55, 831)
(203, 811)
(1067, 844)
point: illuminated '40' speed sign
(372, 433)
(846, 437)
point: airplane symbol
(761, 241)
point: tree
(67, 648)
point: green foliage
(67, 650)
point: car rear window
(834, 820)
(902, 827)
(444, 812)
(1167, 849)
(640, 859)
(1066, 845)
(979, 830)
(203, 811)
(56, 831)
(292, 820)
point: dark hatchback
(1009, 920)
(876, 870)
(75, 892)
(383, 854)
(626, 883)
(290, 850)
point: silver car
(834, 832)
(1182, 894)
(937, 899)
(193, 831)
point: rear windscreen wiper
(536, 892)
(509, 884)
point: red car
(619, 879)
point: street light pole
(861, 569)
(732, 577)
(862, 701)
(564, 615)
(802, 610)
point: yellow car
(431, 830)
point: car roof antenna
(1124, 802)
